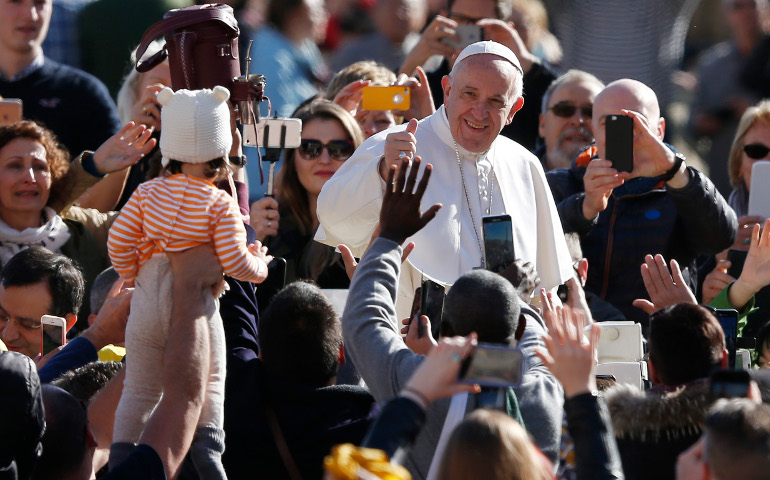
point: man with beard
(565, 119)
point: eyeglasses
(566, 110)
(756, 151)
(338, 149)
(21, 322)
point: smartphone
(737, 259)
(53, 333)
(491, 365)
(429, 301)
(759, 196)
(274, 133)
(10, 111)
(274, 283)
(466, 34)
(386, 98)
(498, 242)
(728, 319)
(619, 142)
(729, 384)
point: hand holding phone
(730, 384)
(466, 35)
(281, 133)
(491, 365)
(619, 142)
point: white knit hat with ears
(195, 125)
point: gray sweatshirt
(371, 332)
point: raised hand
(756, 269)
(400, 216)
(351, 95)
(431, 43)
(506, 34)
(664, 289)
(437, 376)
(419, 345)
(523, 277)
(599, 181)
(124, 148)
(398, 142)
(422, 100)
(146, 110)
(651, 156)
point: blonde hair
(752, 116)
(377, 73)
(491, 445)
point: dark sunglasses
(756, 151)
(338, 149)
(566, 110)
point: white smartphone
(759, 198)
(274, 126)
(53, 333)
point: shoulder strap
(175, 22)
(280, 443)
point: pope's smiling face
(480, 100)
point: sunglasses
(756, 151)
(566, 110)
(338, 149)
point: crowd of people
(217, 327)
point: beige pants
(146, 335)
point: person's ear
(515, 108)
(341, 356)
(725, 358)
(582, 271)
(71, 319)
(446, 85)
(661, 128)
(91, 319)
(90, 439)
(520, 327)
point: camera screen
(498, 244)
(493, 366)
(52, 337)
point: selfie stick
(272, 155)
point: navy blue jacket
(644, 216)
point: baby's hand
(260, 252)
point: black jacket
(652, 428)
(644, 216)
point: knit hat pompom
(195, 125)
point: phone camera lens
(398, 98)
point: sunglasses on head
(338, 149)
(756, 151)
(566, 110)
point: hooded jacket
(652, 428)
(643, 216)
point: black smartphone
(498, 242)
(729, 384)
(619, 142)
(274, 283)
(491, 365)
(728, 319)
(737, 259)
(429, 301)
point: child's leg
(146, 334)
(209, 441)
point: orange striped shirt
(173, 214)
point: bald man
(662, 206)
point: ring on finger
(401, 155)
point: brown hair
(491, 445)
(292, 193)
(377, 73)
(57, 157)
(752, 116)
(217, 168)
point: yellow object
(348, 462)
(2, 347)
(386, 98)
(111, 353)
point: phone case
(10, 111)
(619, 142)
(386, 98)
(759, 197)
(498, 242)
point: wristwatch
(678, 159)
(239, 160)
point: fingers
(645, 305)
(412, 179)
(593, 342)
(348, 260)
(412, 127)
(407, 250)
